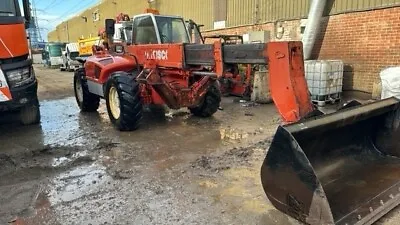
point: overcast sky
(52, 12)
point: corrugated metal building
(230, 13)
(362, 33)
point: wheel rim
(79, 91)
(113, 99)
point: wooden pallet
(322, 100)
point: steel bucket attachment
(340, 168)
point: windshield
(9, 8)
(73, 55)
(144, 32)
(54, 50)
(172, 30)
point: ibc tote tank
(324, 80)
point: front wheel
(86, 101)
(124, 104)
(210, 103)
(30, 114)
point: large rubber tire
(210, 103)
(126, 114)
(86, 101)
(30, 114)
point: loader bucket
(340, 168)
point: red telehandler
(340, 168)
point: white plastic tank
(324, 79)
(390, 78)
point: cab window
(8, 8)
(144, 31)
(172, 30)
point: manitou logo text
(156, 54)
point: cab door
(145, 31)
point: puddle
(63, 160)
(61, 124)
(78, 182)
(31, 203)
(18, 198)
(60, 161)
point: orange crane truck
(18, 85)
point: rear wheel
(30, 114)
(87, 101)
(210, 103)
(124, 104)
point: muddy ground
(75, 168)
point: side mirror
(27, 12)
(110, 29)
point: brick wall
(366, 41)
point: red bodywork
(163, 79)
(237, 84)
(234, 83)
(287, 81)
(166, 79)
(13, 42)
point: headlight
(74, 63)
(20, 76)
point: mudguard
(99, 67)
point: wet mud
(75, 168)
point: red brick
(366, 41)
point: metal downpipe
(313, 26)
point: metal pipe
(202, 73)
(313, 26)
